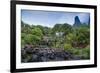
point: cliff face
(77, 21)
(89, 21)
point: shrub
(83, 53)
(67, 46)
(86, 53)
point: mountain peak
(77, 21)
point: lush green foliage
(80, 37)
(63, 36)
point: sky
(50, 18)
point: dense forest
(72, 40)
